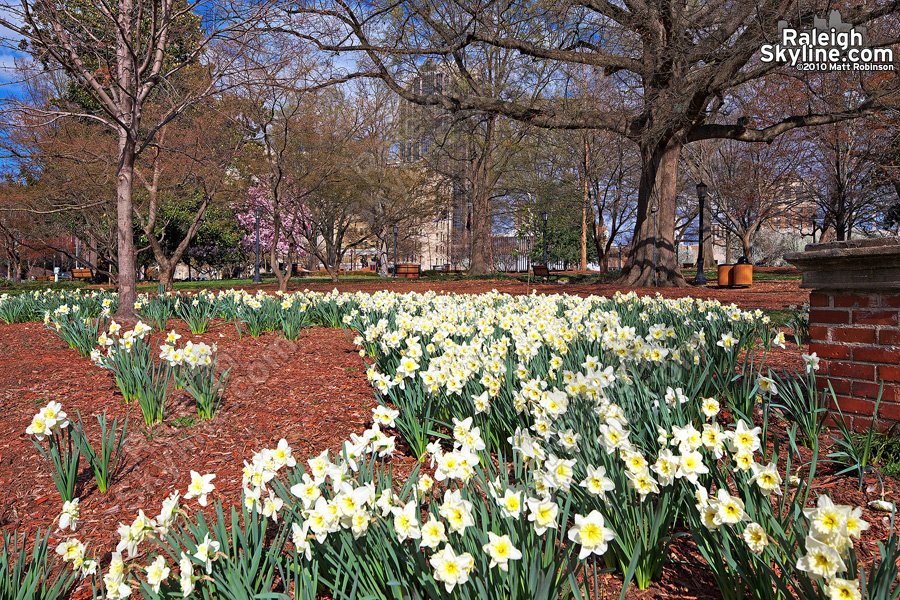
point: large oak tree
(676, 64)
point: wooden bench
(408, 270)
(82, 274)
(543, 271)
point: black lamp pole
(700, 279)
(544, 217)
(256, 277)
(395, 250)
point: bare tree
(119, 54)
(750, 185)
(677, 61)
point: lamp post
(395, 250)
(700, 279)
(256, 277)
(654, 209)
(544, 217)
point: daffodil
(501, 551)
(157, 572)
(200, 487)
(450, 569)
(591, 533)
(755, 537)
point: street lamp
(654, 209)
(256, 277)
(700, 279)
(395, 250)
(544, 217)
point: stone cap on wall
(864, 264)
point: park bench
(82, 274)
(411, 271)
(543, 271)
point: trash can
(742, 275)
(739, 275)
(725, 272)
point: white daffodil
(300, 537)
(200, 487)
(843, 589)
(543, 514)
(157, 572)
(406, 522)
(69, 515)
(811, 361)
(206, 552)
(450, 569)
(755, 537)
(591, 533)
(186, 575)
(433, 533)
(820, 560)
(596, 482)
(767, 478)
(501, 551)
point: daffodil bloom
(206, 552)
(157, 572)
(767, 385)
(843, 589)
(543, 514)
(501, 551)
(828, 521)
(743, 438)
(71, 550)
(710, 407)
(811, 361)
(591, 533)
(511, 503)
(767, 478)
(642, 482)
(756, 538)
(457, 511)
(450, 569)
(114, 580)
(855, 524)
(406, 522)
(665, 467)
(300, 535)
(727, 342)
(167, 515)
(820, 560)
(596, 482)
(186, 575)
(200, 487)
(69, 515)
(690, 466)
(271, 505)
(729, 509)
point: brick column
(854, 322)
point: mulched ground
(312, 392)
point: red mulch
(313, 392)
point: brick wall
(857, 336)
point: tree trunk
(584, 207)
(747, 246)
(659, 178)
(382, 262)
(125, 229)
(481, 207)
(167, 274)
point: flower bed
(559, 438)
